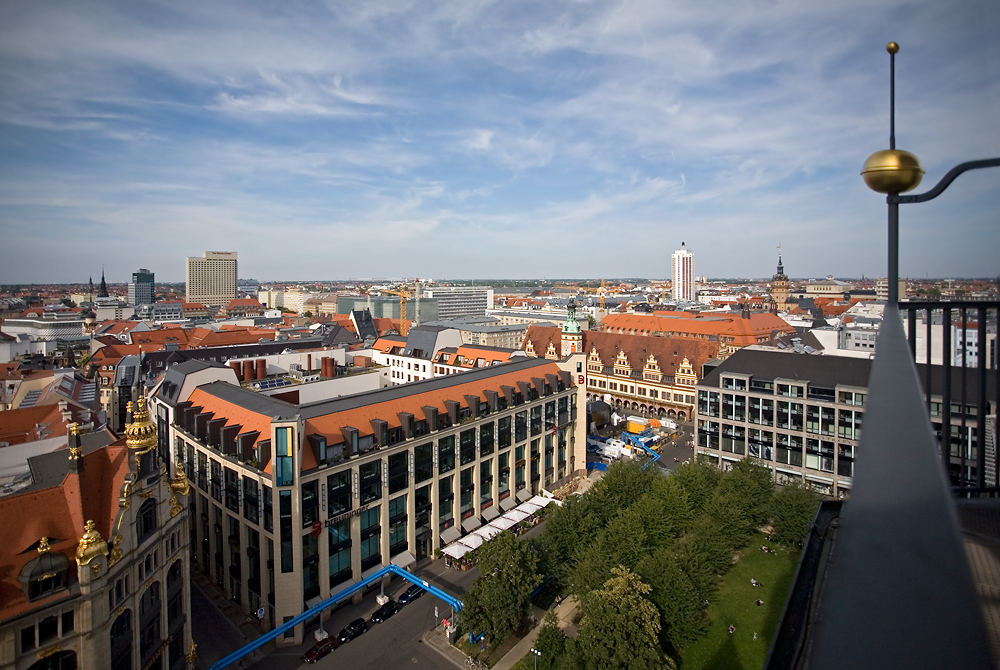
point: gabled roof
(668, 352)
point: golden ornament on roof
(91, 545)
(140, 435)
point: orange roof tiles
(360, 418)
(58, 513)
(729, 328)
(234, 415)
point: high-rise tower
(211, 279)
(682, 274)
(140, 289)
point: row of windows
(812, 453)
(787, 390)
(48, 629)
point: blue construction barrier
(597, 465)
(329, 602)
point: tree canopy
(498, 599)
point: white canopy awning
(503, 523)
(490, 513)
(541, 501)
(528, 508)
(486, 532)
(456, 550)
(472, 541)
(516, 515)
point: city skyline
(479, 141)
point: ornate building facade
(637, 374)
(95, 561)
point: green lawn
(720, 650)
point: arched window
(173, 575)
(146, 521)
(149, 621)
(121, 642)
(61, 660)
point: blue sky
(474, 139)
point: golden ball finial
(892, 171)
(892, 48)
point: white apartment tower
(682, 274)
(211, 279)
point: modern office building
(387, 307)
(294, 502)
(682, 274)
(211, 279)
(458, 301)
(801, 415)
(141, 290)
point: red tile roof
(668, 352)
(58, 513)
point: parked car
(385, 611)
(321, 649)
(352, 630)
(411, 594)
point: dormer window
(46, 574)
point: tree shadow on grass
(727, 656)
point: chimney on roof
(67, 416)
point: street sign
(260, 614)
(435, 611)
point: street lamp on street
(537, 654)
(893, 171)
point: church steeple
(104, 286)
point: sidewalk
(566, 611)
(246, 627)
(436, 639)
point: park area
(736, 605)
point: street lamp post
(537, 654)
(893, 171)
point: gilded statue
(91, 545)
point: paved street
(393, 644)
(213, 632)
(675, 452)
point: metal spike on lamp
(893, 171)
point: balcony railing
(960, 368)
(891, 585)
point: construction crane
(404, 325)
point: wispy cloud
(481, 138)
